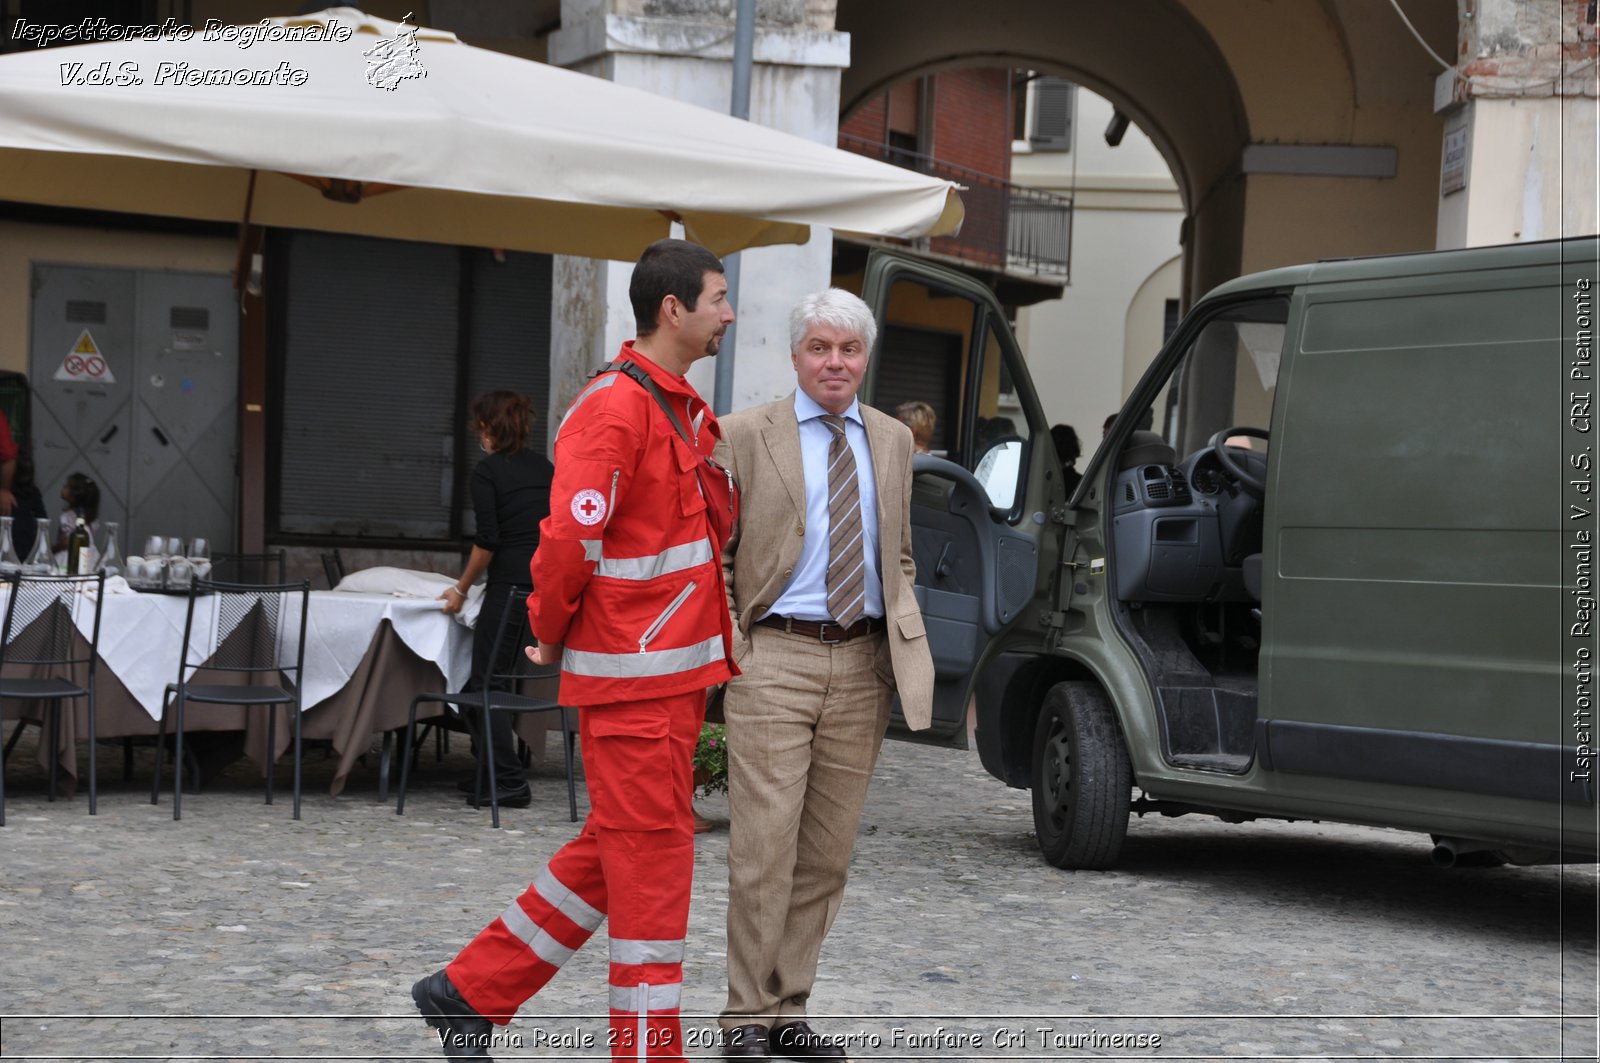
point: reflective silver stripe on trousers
(604, 382)
(672, 559)
(662, 997)
(566, 902)
(631, 664)
(643, 950)
(532, 935)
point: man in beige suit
(826, 630)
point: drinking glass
(200, 558)
(154, 547)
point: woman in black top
(511, 495)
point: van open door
(944, 341)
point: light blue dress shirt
(805, 596)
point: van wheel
(1082, 782)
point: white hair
(836, 308)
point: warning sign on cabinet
(85, 363)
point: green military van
(1332, 562)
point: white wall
(1084, 350)
(795, 88)
(1530, 173)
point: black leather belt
(824, 630)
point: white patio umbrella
(474, 147)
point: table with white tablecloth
(366, 656)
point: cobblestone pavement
(239, 934)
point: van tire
(1081, 779)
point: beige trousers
(804, 725)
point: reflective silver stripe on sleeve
(532, 935)
(642, 950)
(591, 549)
(604, 382)
(672, 559)
(566, 902)
(662, 997)
(631, 664)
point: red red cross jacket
(628, 573)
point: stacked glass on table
(166, 566)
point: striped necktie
(847, 573)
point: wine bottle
(78, 562)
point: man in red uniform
(628, 595)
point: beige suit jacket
(761, 446)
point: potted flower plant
(711, 760)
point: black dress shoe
(463, 1033)
(469, 783)
(511, 799)
(745, 1042)
(797, 1040)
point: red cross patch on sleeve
(588, 507)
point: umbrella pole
(241, 257)
(744, 47)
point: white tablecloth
(140, 635)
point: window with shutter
(380, 339)
(1051, 129)
(921, 364)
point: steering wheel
(1252, 484)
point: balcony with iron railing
(1009, 228)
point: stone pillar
(1520, 108)
(684, 49)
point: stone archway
(1213, 85)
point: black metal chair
(267, 568)
(496, 693)
(40, 632)
(333, 568)
(246, 625)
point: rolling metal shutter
(925, 364)
(369, 388)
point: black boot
(463, 1033)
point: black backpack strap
(636, 372)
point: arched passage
(1207, 81)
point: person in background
(82, 496)
(510, 495)
(920, 418)
(27, 508)
(8, 470)
(1069, 450)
